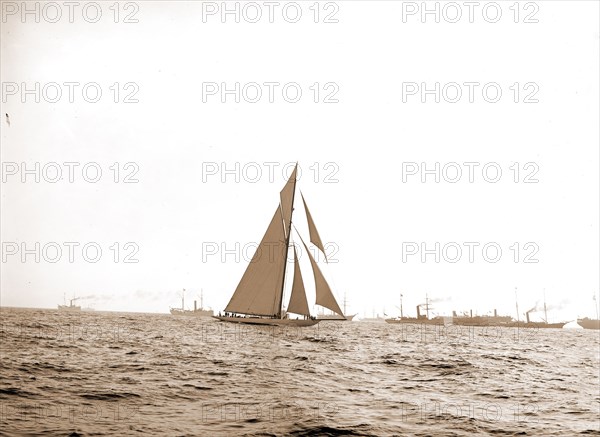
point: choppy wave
(100, 373)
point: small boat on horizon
(421, 318)
(375, 318)
(586, 322)
(259, 296)
(71, 307)
(482, 321)
(332, 316)
(529, 324)
(199, 312)
(372, 319)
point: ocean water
(97, 373)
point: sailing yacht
(258, 298)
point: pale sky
(354, 154)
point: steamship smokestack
(194, 305)
(527, 315)
(418, 312)
(454, 314)
(470, 313)
(495, 313)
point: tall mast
(545, 312)
(287, 245)
(401, 315)
(517, 304)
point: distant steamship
(199, 312)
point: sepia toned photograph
(300, 218)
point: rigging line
(295, 228)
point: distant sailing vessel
(485, 320)
(421, 318)
(71, 306)
(588, 323)
(198, 312)
(376, 318)
(529, 324)
(333, 316)
(258, 298)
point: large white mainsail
(298, 303)
(259, 290)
